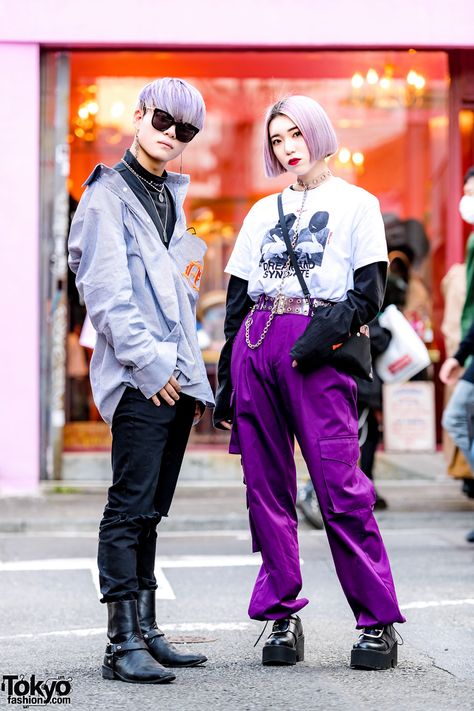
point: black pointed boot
(285, 645)
(376, 648)
(127, 657)
(162, 650)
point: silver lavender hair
(177, 97)
(314, 124)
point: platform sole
(369, 659)
(279, 655)
(110, 674)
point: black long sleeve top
(238, 304)
(328, 326)
(466, 349)
(163, 214)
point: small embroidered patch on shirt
(193, 273)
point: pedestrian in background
(461, 403)
(456, 415)
(370, 408)
(130, 250)
(466, 210)
(276, 381)
(407, 244)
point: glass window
(389, 109)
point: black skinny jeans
(148, 445)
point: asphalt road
(52, 625)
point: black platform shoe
(127, 657)
(161, 650)
(285, 645)
(376, 648)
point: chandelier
(385, 91)
(84, 121)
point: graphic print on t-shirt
(309, 248)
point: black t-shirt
(162, 213)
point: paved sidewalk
(214, 463)
(412, 484)
(51, 624)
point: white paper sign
(409, 417)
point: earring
(136, 145)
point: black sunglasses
(161, 120)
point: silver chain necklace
(160, 197)
(159, 187)
(276, 300)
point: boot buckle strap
(152, 633)
(125, 646)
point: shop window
(390, 114)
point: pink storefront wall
(19, 268)
(28, 25)
(304, 23)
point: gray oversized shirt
(140, 297)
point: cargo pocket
(347, 486)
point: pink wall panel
(19, 267)
(343, 23)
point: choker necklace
(156, 186)
(316, 181)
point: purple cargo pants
(274, 403)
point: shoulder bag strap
(291, 251)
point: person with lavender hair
(138, 271)
(277, 381)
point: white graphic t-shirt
(340, 230)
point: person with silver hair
(277, 381)
(137, 270)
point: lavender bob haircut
(312, 121)
(177, 97)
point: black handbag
(351, 356)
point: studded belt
(289, 304)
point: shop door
(54, 173)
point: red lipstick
(294, 161)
